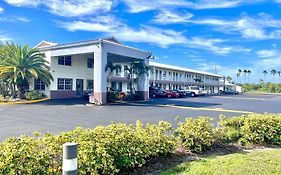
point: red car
(172, 94)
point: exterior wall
(77, 70)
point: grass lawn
(257, 162)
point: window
(90, 62)
(39, 85)
(64, 60)
(90, 84)
(64, 84)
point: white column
(100, 76)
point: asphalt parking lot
(55, 116)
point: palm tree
(273, 72)
(279, 74)
(237, 75)
(264, 73)
(245, 73)
(20, 65)
(240, 72)
(229, 79)
(249, 73)
(110, 68)
(138, 69)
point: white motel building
(80, 66)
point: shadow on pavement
(166, 101)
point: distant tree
(245, 72)
(264, 73)
(249, 73)
(273, 72)
(279, 74)
(229, 79)
(238, 75)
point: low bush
(253, 129)
(103, 150)
(111, 97)
(196, 134)
(34, 95)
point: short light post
(69, 164)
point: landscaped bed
(123, 148)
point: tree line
(247, 75)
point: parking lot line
(242, 98)
(206, 109)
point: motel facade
(80, 66)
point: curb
(24, 102)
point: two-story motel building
(80, 66)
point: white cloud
(136, 6)
(4, 38)
(267, 53)
(70, 8)
(170, 17)
(1, 10)
(261, 27)
(14, 19)
(145, 34)
(107, 24)
(214, 46)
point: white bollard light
(69, 163)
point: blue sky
(201, 34)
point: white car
(195, 91)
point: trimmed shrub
(112, 97)
(34, 95)
(196, 134)
(253, 129)
(103, 150)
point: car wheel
(192, 94)
(153, 95)
(169, 96)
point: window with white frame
(39, 85)
(64, 60)
(64, 84)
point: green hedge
(118, 147)
(253, 129)
(103, 150)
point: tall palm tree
(264, 73)
(136, 71)
(20, 65)
(237, 75)
(240, 72)
(249, 73)
(110, 68)
(279, 74)
(245, 73)
(273, 72)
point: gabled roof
(110, 40)
(177, 68)
(45, 44)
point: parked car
(181, 93)
(156, 92)
(230, 92)
(172, 94)
(195, 91)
